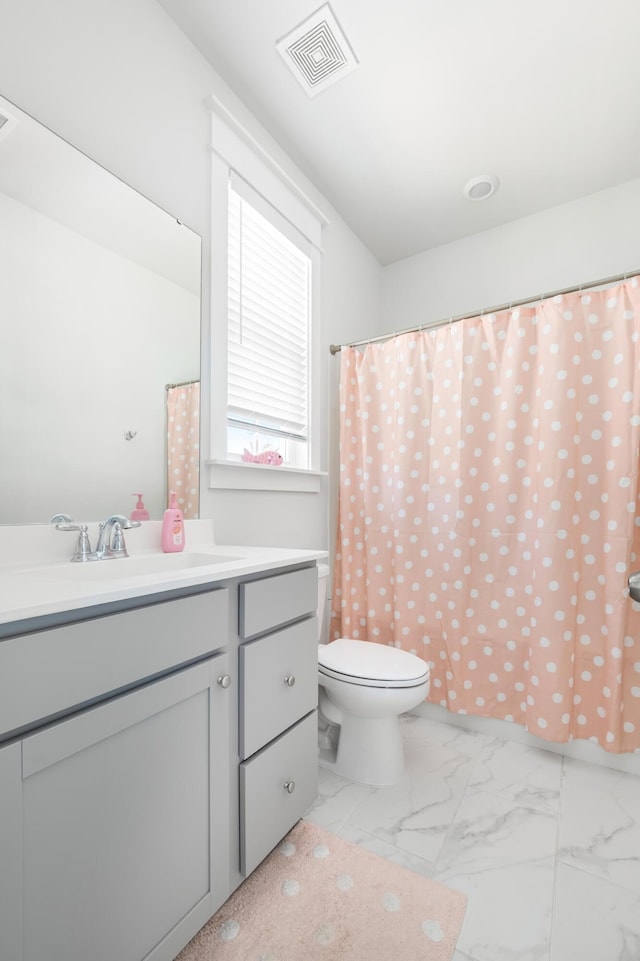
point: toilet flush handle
(290, 680)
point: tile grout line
(556, 861)
(367, 793)
(370, 791)
(463, 795)
(476, 759)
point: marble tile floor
(547, 849)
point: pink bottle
(140, 512)
(172, 527)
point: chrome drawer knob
(289, 786)
(290, 680)
(224, 680)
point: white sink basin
(125, 567)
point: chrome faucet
(110, 539)
(82, 551)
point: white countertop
(38, 579)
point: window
(266, 257)
(268, 336)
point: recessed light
(481, 187)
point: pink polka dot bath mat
(317, 897)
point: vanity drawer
(271, 601)
(50, 672)
(277, 786)
(270, 701)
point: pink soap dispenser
(140, 512)
(172, 527)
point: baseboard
(493, 727)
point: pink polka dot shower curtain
(488, 511)
(183, 446)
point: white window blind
(269, 296)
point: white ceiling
(544, 94)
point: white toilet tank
(323, 587)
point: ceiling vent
(7, 123)
(317, 51)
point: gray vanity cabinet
(109, 839)
(278, 709)
(151, 755)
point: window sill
(237, 475)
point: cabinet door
(10, 853)
(279, 683)
(116, 824)
(277, 786)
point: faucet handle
(118, 548)
(61, 519)
(83, 547)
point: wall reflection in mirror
(99, 314)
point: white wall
(586, 240)
(118, 80)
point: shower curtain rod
(183, 383)
(336, 348)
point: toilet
(363, 688)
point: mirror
(99, 313)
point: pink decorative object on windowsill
(271, 457)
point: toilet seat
(368, 664)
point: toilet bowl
(363, 688)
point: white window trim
(235, 149)
(234, 475)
